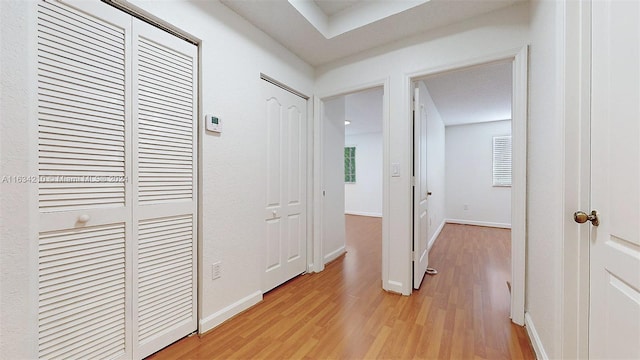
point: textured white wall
(333, 231)
(365, 196)
(18, 138)
(436, 152)
(482, 36)
(469, 174)
(233, 54)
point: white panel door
(84, 307)
(285, 205)
(420, 215)
(614, 321)
(164, 183)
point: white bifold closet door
(117, 190)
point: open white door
(420, 193)
(614, 320)
(285, 207)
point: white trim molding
(478, 223)
(535, 338)
(226, 313)
(519, 59)
(435, 235)
(519, 125)
(318, 143)
(335, 254)
(363, 213)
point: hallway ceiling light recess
(332, 18)
(323, 31)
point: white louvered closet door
(83, 155)
(117, 184)
(165, 173)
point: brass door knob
(581, 217)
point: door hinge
(413, 256)
(413, 181)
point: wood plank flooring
(343, 313)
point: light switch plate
(395, 170)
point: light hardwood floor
(343, 313)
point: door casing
(519, 58)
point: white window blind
(502, 161)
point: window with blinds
(502, 161)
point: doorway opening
(474, 156)
(351, 175)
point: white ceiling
(364, 110)
(478, 94)
(333, 29)
(473, 95)
(352, 26)
(332, 7)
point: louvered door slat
(72, 39)
(73, 88)
(170, 124)
(175, 111)
(154, 91)
(175, 61)
(155, 49)
(51, 71)
(103, 31)
(75, 64)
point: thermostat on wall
(213, 123)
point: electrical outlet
(216, 270)
(466, 206)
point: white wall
(333, 230)
(18, 240)
(483, 36)
(436, 174)
(233, 53)
(469, 174)
(364, 197)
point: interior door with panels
(614, 319)
(285, 208)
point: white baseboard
(478, 223)
(394, 287)
(362, 213)
(228, 312)
(435, 236)
(535, 338)
(334, 254)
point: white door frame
(576, 112)
(316, 264)
(519, 58)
